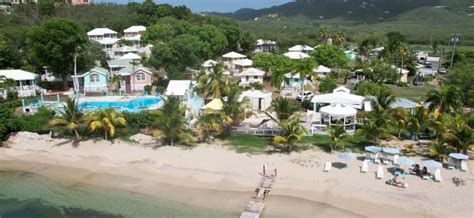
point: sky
(215, 5)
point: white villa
(133, 34)
(265, 46)
(340, 95)
(296, 55)
(180, 88)
(25, 82)
(301, 48)
(322, 71)
(131, 56)
(251, 75)
(260, 101)
(101, 33)
(208, 65)
(242, 65)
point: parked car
(442, 71)
(307, 95)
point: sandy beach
(208, 175)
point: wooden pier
(254, 207)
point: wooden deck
(256, 204)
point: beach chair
(464, 166)
(437, 175)
(377, 159)
(327, 166)
(385, 161)
(364, 167)
(380, 172)
(395, 159)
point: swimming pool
(136, 104)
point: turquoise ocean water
(28, 195)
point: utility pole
(454, 39)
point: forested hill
(358, 10)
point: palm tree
(399, 119)
(210, 122)
(171, 123)
(115, 82)
(337, 134)
(403, 52)
(284, 107)
(233, 107)
(107, 120)
(71, 117)
(418, 120)
(446, 100)
(371, 131)
(460, 134)
(439, 150)
(324, 35)
(213, 83)
(291, 131)
(305, 68)
(340, 38)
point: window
(95, 78)
(255, 77)
(247, 78)
(140, 76)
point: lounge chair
(395, 159)
(364, 167)
(327, 166)
(464, 166)
(377, 159)
(437, 175)
(385, 161)
(380, 172)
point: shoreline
(216, 173)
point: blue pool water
(135, 104)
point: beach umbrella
(347, 156)
(405, 161)
(459, 156)
(432, 164)
(391, 150)
(373, 149)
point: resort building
(93, 81)
(293, 80)
(208, 65)
(296, 55)
(322, 71)
(179, 88)
(133, 35)
(117, 64)
(260, 101)
(109, 45)
(242, 65)
(229, 58)
(131, 56)
(265, 46)
(301, 48)
(25, 83)
(135, 78)
(340, 95)
(251, 75)
(101, 33)
(121, 51)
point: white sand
(214, 167)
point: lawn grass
(249, 143)
(414, 93)
(354, 144)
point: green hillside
(420, 21)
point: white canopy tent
(340, 95)
(339, 114)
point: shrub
(148, 89)
(8, 121)
(256, 86)
(37, 122)
(138, 120)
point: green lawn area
(249, 143)
(351, 143)
(414, 93)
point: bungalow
(25, 82)
(322, 71)
(133, 34)
(101, 33)
(296, 55)
(259, 100)
(251, 75)
(135, 78)
(265, 46)
(301, 48)
(242, 65)
(119, 52)
(117, 64)
(180, 88)
(108, 45)
(293, 80)
(95, 80)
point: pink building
(136, 80)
